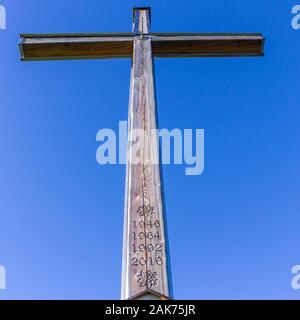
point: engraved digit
(134, 262)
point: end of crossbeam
(263, 43)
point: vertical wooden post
(144, 249)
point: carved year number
(149, 235)
(142, 261)
(150, 247)
(143, 224)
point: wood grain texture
(207, 45)
(62, 47)
(97, 46)
(145, 261)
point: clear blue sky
(234, 230)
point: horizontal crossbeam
(120, 45)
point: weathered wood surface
(97, 46)
(145, 261)
(207, 45)
(84, 47)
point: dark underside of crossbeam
(97, 46)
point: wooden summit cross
(145, 259)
